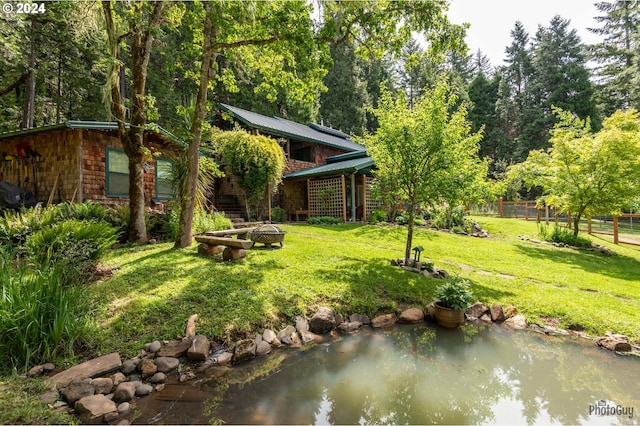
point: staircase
(232, 209)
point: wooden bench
(231, 248)
(240, 233)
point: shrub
(41, 314)
(562, 235)
(278, 214)
(323, 220)
(378, 215)
(202, 221)
(446, 217)
(455, 294)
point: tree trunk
(576, 224)
(188, 200)
(30, 90)
(407, 251)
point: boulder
(199, 349)
(411, 316)
(158, 378)
(244, 350)
(77, 389)
(269, 335)
(477, 310)
(614, 342)
(286, 335)
(349, 327)
(517, 322)
(308, 336)
(383, 321)
(129, 366)
(263, 348)
(167, 364)
(92, 409)
(363, 319)
(143, 390)
(322, 321)
(175, 348)
(497, 314)
(102, 385)
(302, 325)
(339, 319)
(147, 368)
(224, 358)
(92, 368)
(125, 392)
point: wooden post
(526, 210)
(615, 229)
(364, 198)
(269, 201)
(310, 212)
(538, 215)
(501, 208)
(344, 199)
(589, 225)
(546, 209)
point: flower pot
(448, 318)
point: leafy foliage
(562, 235)
(455, 294)
(323, 220)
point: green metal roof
(339, 168)
(89, 125)
(283, 127)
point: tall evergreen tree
(618, 55)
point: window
(165, 187)
(117, 173)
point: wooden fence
(621, 227)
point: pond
(417, 374)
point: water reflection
(420, 375)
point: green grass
(155, 289)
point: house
(326, 173)
(84, 160)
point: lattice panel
(325, 197)
(371, 203)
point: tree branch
(231, 45)
(21, 80)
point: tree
(618, 55)
(425, 152)
(141, 20)
(585, 173)
(256, 161)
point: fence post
(546, 212)
(538, 215)
(589, 225)
(526, 210)
(501, 208)
(615, 229)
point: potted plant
(453, 298)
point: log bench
(231, 248)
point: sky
(492, 21)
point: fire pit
(267, 235)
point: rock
(295, 338)
(48, 367)
(258, 339)
(50, 396)
(302, 324)
(411, 316)
(102, 385)
(175, 348)
(360, 318)
(497, 313)
(143, 390)
(123, 408)
(125, 392)
(268, 335)
(614, 342)
(154, 346)
(77, 389)
(160, 387)
(147, 368)
(38, 370)
(510, 311)
(339, 319)
(383, 321)
(118, 378)
(129, 366)
(244, 350)
(486, 318)
(167, 364)
(349, 327)
(517, 322)
(440, 273)
(225, 358)
(93, 368)
(476, 310)
(285, 335)
(430, 312)
(322, 321)
(209, 250)
(199, 349)
(158, 378)
(308, 336)
(92, 409)
(263, 348)
(190, 330)
(187, 376)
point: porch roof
(340, 168)
(287, 128)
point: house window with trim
(165, 185)
(117, 173)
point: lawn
(154, 289)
